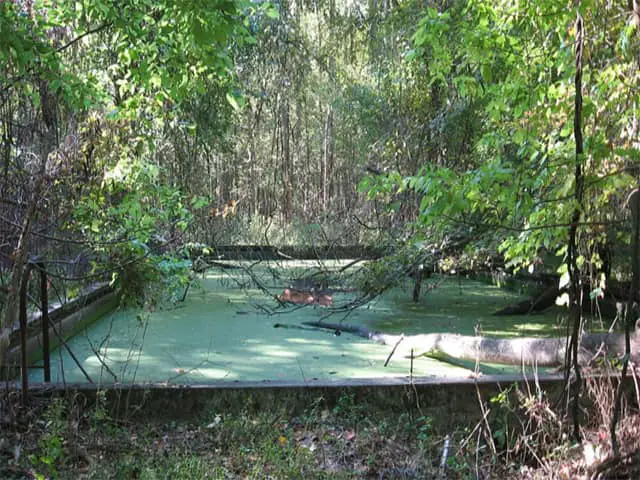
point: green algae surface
(223, 332)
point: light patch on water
(307, 341)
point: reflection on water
(220, 333)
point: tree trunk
(327, 157)
(542, 352)
(536, 304)
(287, 164)
(575, 289)
(634, 203)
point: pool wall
(447, 402)
(67, 319)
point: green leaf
(236, 101)
(271, 11)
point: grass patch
(64, 440)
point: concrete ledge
(59, 310)
(446, 401)
(66, 326)
(428, 381)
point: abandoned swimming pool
(222, 333)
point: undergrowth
(521, 434)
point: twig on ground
(489, 434)
(475, 429)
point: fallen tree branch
(543, 352)
(298, 327)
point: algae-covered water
(223, 332)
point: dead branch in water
(543, 352)
(393, 350)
